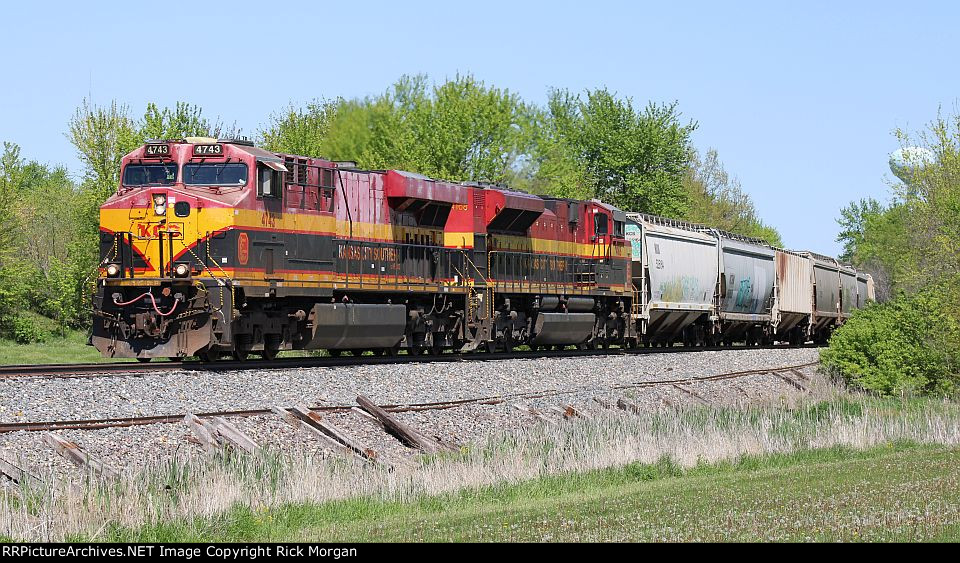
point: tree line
(594, 144)
(910, 342)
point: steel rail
(120, 422)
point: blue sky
(800, 99)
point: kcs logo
(153, 230)
(243, 249)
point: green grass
(71, 348)
(898, 492)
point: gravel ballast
(44, 399)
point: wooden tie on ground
(569, 411)
(603, 402)
(233, 436)
(693, 394)
(628, 406)
(664, 399)
(796, 385)
(214, 435)
(204, 432)
(527, 409)
(799, 374)
(17, 474)
(333, 437)
(78, 457)
(401, 431)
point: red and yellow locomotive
(213, 247)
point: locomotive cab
(164, 284)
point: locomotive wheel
(240, 355)
(269, 353)
(491, 346)
(144, 360)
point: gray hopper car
(698, 285)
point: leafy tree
(301, 130)
(38, 224)
(853, 224)
(915, 240)
(632, 159)
(458, 130)
(102, 135)
(717, 199)
(183, 120)
(12, 179)
(931, 206)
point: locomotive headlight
(181, 270)
(113, 270)
(160, 204)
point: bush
(25, 329)
(911, 344)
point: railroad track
(135, 368)
(94, 424)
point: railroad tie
(401, 431)
(73, 453)
(204, 431)
(527, 409)
(793, 383)
(326, 432)
(233, 436)
(693, 394)
(628, 406)
(18, 474)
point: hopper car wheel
(208, 356)
(436, 349)
(334, 353)
(491, 346)
(269, 353)
(240, 355)
(393, 351)
(378, 351)
(144, 360)
(357, 352)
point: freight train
(216, 247)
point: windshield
(226, 174)
(149, 174)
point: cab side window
(268, 182)
(600, 224)
(619, 229)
